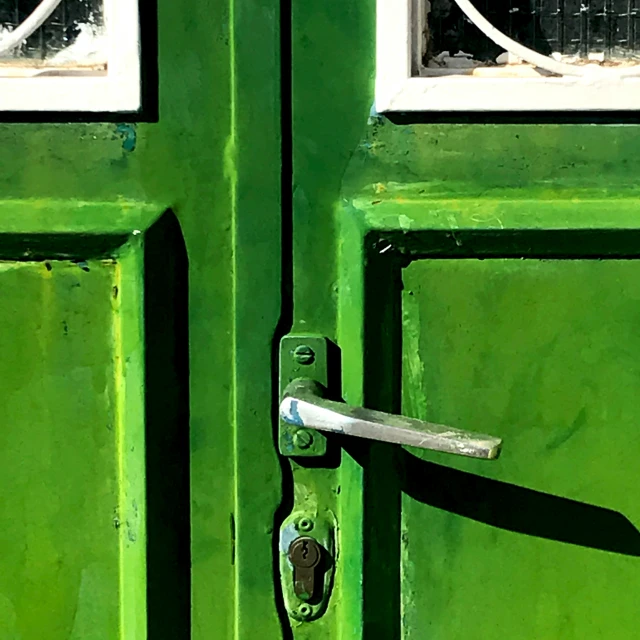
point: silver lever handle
(303, 405)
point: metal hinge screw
(305, 611)
(303, 439)
(305, 524)
(304, 354)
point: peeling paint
(129, 136)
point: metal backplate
(320, 527)
(302, 357)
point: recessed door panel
(541, 544)
(61, 514)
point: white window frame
(117, 90)
(397, 90)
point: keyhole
(305, 549)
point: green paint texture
(183, 216)
(523, 327)
(59, 509)
(545, 354)
(160, 402)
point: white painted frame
(117, 90)
(398, 90)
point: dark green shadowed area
(541, 544)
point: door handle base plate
(302, 356)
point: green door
(483, 276)
(137, 466)
(479, 275)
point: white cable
(37, 18)
(539, 59)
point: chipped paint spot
(131, 534)
(129, 136)
(405, 222)
(379, 187)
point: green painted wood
(197, 192)
(544, 542)
(370, 194)
(253, 163)
(374, 251)
(72, 452)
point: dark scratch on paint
(233, 539)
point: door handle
(304, 405)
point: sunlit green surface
(545, 354)
(60, 514)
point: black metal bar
(510, 28)
(534, 20)
(562, 40)
(609, 23)
(584, 28)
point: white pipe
(37, 18)
(539, 59)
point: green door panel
(72, 514)
(516, 318)
(541, 544)
(193, 305)
(94, 422)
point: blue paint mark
(288, 447)
(294, 416)
(129, 136)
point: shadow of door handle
(304, 405)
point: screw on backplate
(304, 524)
(305, 611)
(304, 354)
(303, 439)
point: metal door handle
(303, 405)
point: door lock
(306, 555)
(307, 564)
(302, 356)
